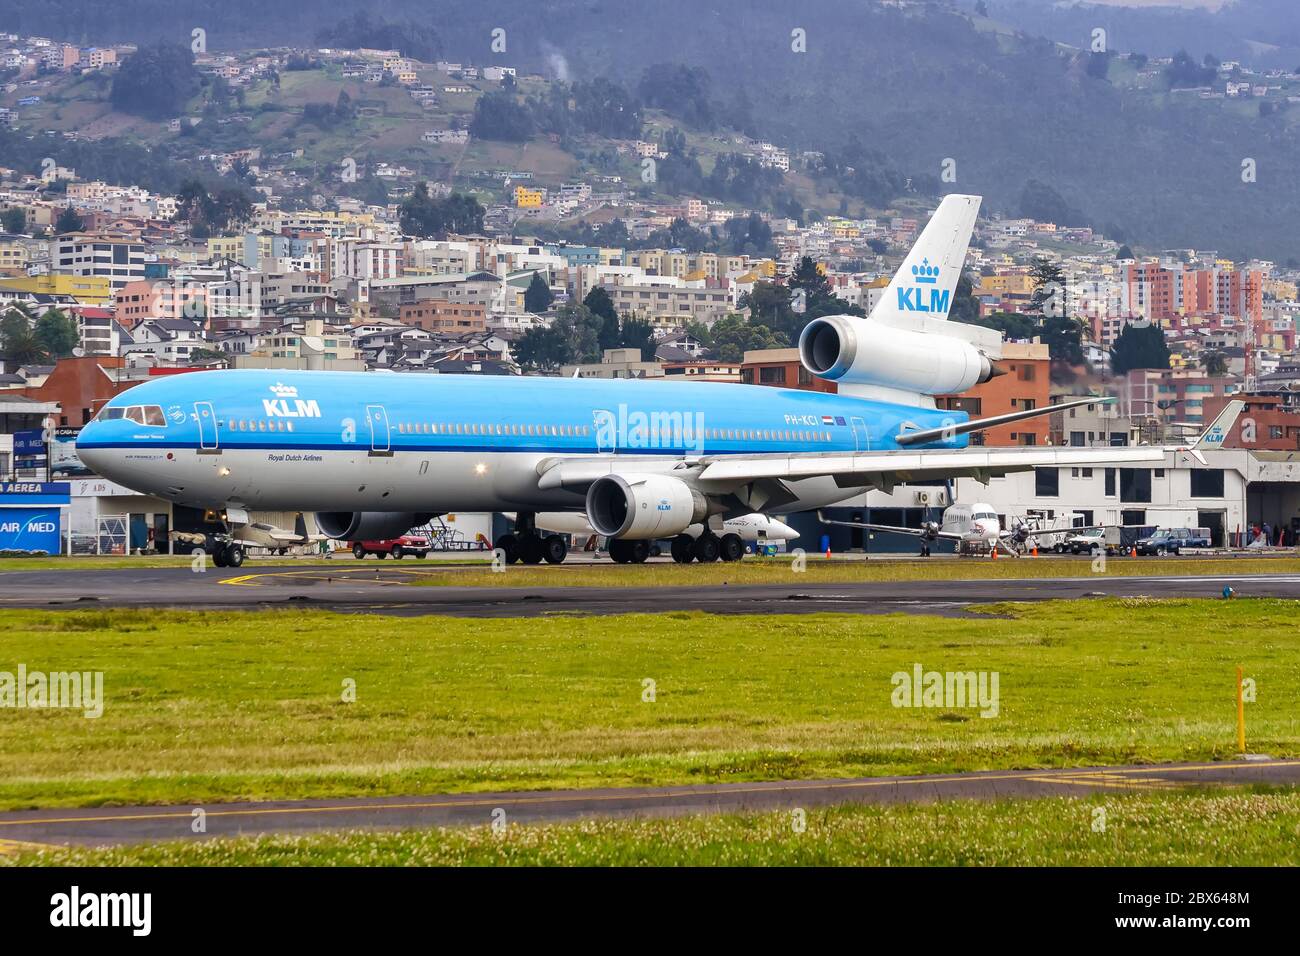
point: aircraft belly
(358, 481)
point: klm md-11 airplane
(374, 454)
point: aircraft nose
(91, 455)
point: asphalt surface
(369, 587)
(122, 825)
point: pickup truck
(1171, 540)
(1094, 541)
(413, 544)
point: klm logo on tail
(913, 298)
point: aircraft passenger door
(606, 431)
(377, 419)
(209, 442)
(860, 434)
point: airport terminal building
(1229, 492)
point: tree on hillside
(1012, 325)
(733, 336)
(500, 116)
(210, 212)
(1215, 363)
(638, 334)
(1139, 346)
(599, 302)
(13, 220)
(57, 333)
(425, 217)
(1125, 252)
(362, 30)
(680, 91)
(1041, 202)
(18, 341)
(68, 221)
(156, 82)
(538, 296)
(965, 307)
(769, 306)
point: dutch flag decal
(828, 420)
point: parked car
(1095, 540)
(416, 545)
(1173, 540)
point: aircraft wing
(882, 469)
(888, 468)
(915, 532)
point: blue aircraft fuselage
(344, 440)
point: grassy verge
(1213, 829)
(220, 706)
(819, 570)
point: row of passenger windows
(259, 425)
(584, 431)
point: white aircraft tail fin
(1218, 430)
(923, 287)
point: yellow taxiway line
(1076, 779)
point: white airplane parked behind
(975, 525)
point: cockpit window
(151, 415)
(985, 516)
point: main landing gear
(707, 548)
(528, 545)
(225, 552)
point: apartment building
(83, 255)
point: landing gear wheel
(398, 553)
(554, 549)
(508, 544)
(683, 549)
(731, 547)
(234, 556)
(219, 556)
(640, 550)
(530, 549)
(358, 552)
(620, 550)
(707, 548)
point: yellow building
(13, 257)
(526, 198)
(1013, 284)
(90, 290)
(1278, 289)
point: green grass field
(837, 571)
(1206, 829)
(221, 706)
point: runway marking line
(249, 580)
(1071, 777)
(14, 847)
